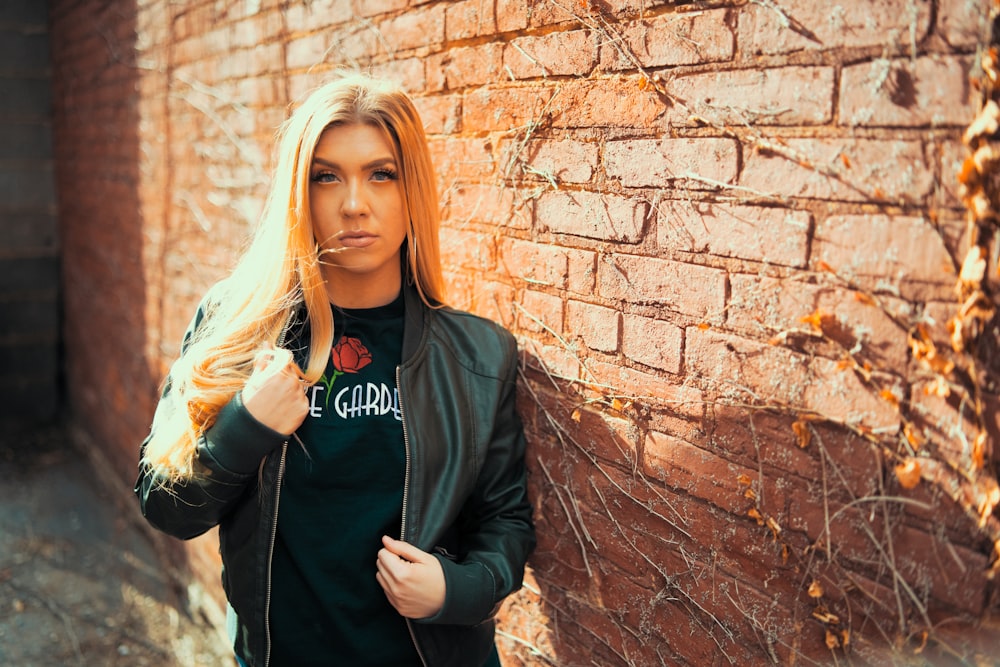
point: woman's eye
(324, 177)
(384, 175)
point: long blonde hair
(280, 270)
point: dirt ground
(81, 583)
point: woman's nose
(355, 201)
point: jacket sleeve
(226, 459)
(496, 526)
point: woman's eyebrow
(371, 164)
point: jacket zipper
(274, 522)
(270, 556)
(406, 495)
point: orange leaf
(890, 397)
(775, 528)
(802, 431)
(913, 436)
(643, 83)
(832, 641)
(908, 473)
(744, 479)
(704, 326)
(815, 589)
(846, 160)
(978, 450)
(864, 298)
(575, 416)
(823, 266)
(617, 404)
(816, 319)
(754, 514)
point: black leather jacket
(464, 496)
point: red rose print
(350, 356)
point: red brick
(489, 109)
(306, 16)
(683, 466)
(539, 313)
(764, 307)
(593, 215)
(586, 103)
(463, 160)
(653, 342)
(758, 97)
(469, 18)
(925, 92)
(880, 169)
(467, 66)
(512, 15)
(441, 114)
(492, 300)
(647, 389)
(885, 24)
(556, 361)
(951, 156)
(962, 22)
(598, 326)
(670, 40)
(484, 203)
(741, 370)
(694, 290)
(582, 272)
(769, 235)
(376, 7)
(412, 29)
(469, 250)
(604, 435)
(561, 161)
(905, 252)
(641, 163)
(538, 264)
(572, 53)
(408, 73)
(338, 46)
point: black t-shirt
(340, 494)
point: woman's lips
(357, 240)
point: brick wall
(29, 261)
(714, 227)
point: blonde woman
(355, 440)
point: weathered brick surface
(892, 23)
(651, 163)
(769, 235)
(694, 216)
(591, 214)
(926, 92)
(781, 96)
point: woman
(355, 441)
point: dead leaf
(815, 589)
(802, 431)
(978, 450)
(832, 641)
(908, 473)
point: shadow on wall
(722, 524)
(98, 149)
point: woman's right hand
(274, 393)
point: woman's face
(358, 213)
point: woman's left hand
(412, 579)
